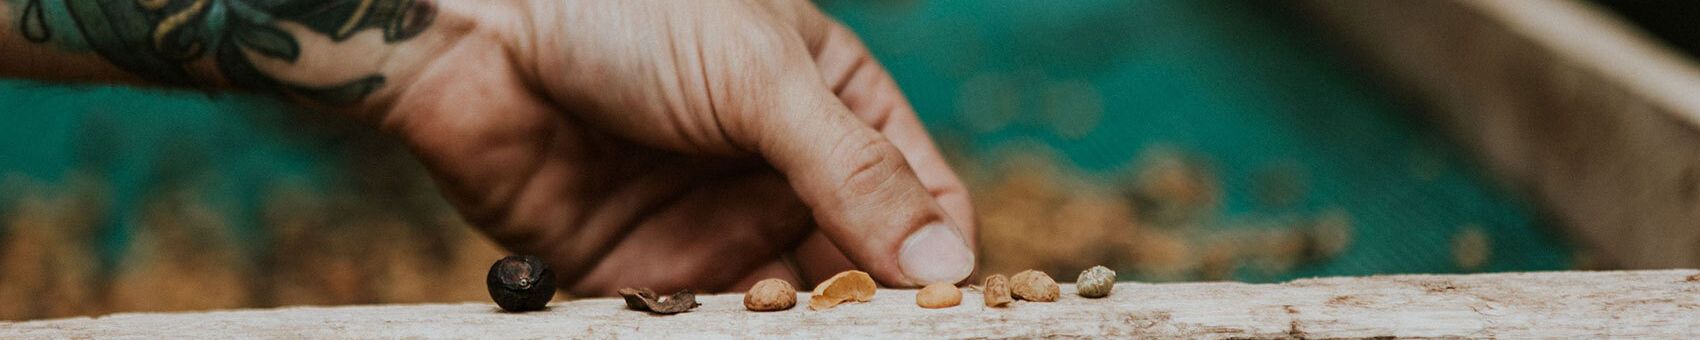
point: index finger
(872, 94)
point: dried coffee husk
(643, 299)
(847, 286)
(996, 291)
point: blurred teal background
(1247, 88)
(1247, 85)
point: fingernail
(936, 254)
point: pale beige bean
(938, 295)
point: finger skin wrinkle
(871, 165)
(858, 62)
(861, 85)
(716, 108)
(673, 89)
(946, 190)
(683, 88)
(877, 118)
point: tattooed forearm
(159, 40)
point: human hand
(681, 144)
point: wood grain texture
(1592, 118)
(1663, 304)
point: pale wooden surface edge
(1662, 304)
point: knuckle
(873, 164)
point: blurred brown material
(181, 259)
(1148, 222)
(314, 248)
(47, 262)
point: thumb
(863, 193)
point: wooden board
(1595, 120)
(1663, 304)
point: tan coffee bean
(1034, 286)
(770, 295)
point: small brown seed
(1095, 282)
(770, 295)
(938, 295)
(521, 283)
(1034, 286)
(850, 285)
(996, 291)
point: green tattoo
(157, 39)
(34, 23)
(39, 20)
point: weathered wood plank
(1595, 120)
(1663, 304)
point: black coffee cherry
(521, 283)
